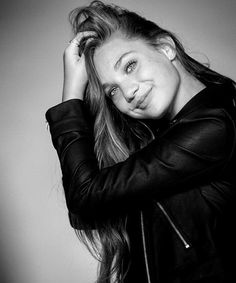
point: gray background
(37, 244)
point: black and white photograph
(118, 141)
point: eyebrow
(116, 66)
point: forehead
(116, 45)
(109, 52)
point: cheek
(169, 79)
(121, 104)
(163, 71)
(174, 80)
(173, 74)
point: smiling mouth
(142, 99)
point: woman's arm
(192, 151)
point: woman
(146, 139)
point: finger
(72, 48)
(74, 44)
(76, 40)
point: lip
(141, 99)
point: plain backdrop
(37, 244)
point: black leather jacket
(178, 192)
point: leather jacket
(178, 192)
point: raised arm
(193, 150)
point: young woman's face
(141, 81)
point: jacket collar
(212, 96)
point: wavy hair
(117, 135)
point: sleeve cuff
(68, 116)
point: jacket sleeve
(192, 150)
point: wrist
(72, 93)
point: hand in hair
(75, 75)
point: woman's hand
(75, 75)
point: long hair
(116, 135)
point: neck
(189, 86)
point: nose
(130, 91)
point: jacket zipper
(181, 237)
(144, 249)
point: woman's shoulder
(216, 101)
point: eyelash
(131, 63)
(110, 92)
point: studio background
(37, 244)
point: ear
(167, 46)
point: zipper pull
(181, 237)
(173, 122)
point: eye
(130, 66)
(112, 91)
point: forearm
(161, 169)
